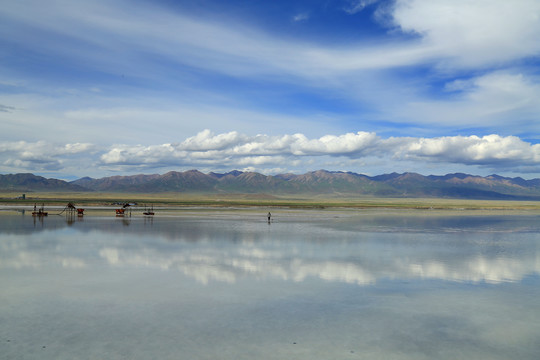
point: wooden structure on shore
(122, 210)
(149, 211)
(39, 212)
(72, 209)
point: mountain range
(334, 183)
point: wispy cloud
(304, 16)
(472, 33)
(436, 69)
(5, 108)
(98, 33)
(356, 6)
(489, 100)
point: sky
(117, 87)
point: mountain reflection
(344, 250)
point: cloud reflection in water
(226, 250)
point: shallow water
(309, 285)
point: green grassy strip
(253, 200)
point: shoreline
(254, 201)
(261, 211)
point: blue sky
(112, 87)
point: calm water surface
(309, 285)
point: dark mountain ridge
(458, 185)
(31, 182)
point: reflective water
(309, 285)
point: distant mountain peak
(339, 183)
(233, 173)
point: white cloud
(449, 35)
(30, 149)
(205, 140)
(491, 149)
(356, 6)
(262, 153)
(497, 101)
(41, 155)
(301, 17)
(222, 146)
(503, 92)
(348, 144)
(239, 51)
(473, 33)
(139, 154)
(261, 150)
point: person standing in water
(269, 216)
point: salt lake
(312, 284)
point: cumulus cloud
(40, 155)
(139, 154)
(30, 149)
(490, 149)
(234, 150)
(206, 140)
(233, 145)
(349, 144)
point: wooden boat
(149, 211)
(39, 212)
